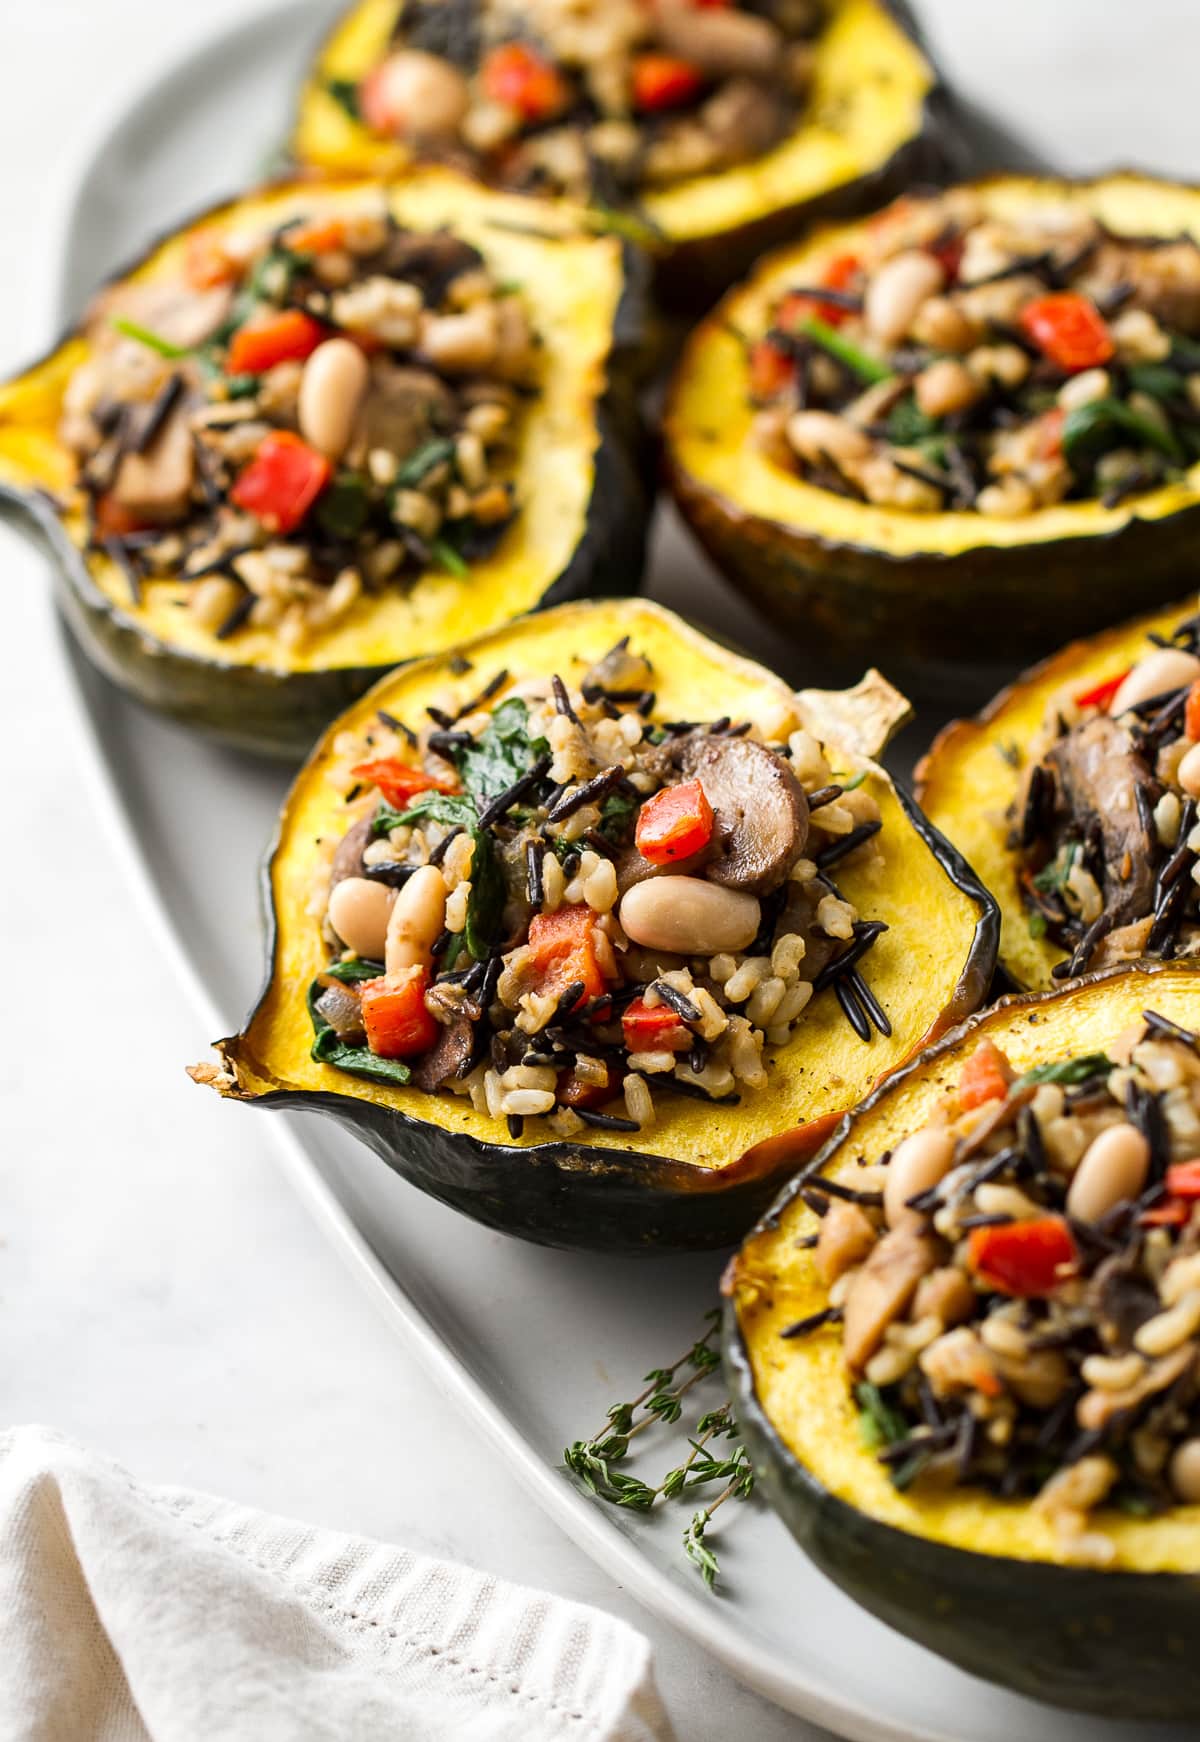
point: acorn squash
(950, 584)
(978, 1579)
(581, 508)
(877, 121)
(973, 772)
(701, 1171)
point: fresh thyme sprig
(661, 1401)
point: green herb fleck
(423, 460)
(1037, 924)
(857, 361)
(448, 558)
(152, 341)
(878, 1423)
(1067, 1071)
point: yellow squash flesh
(803, 1387)
(972, 773)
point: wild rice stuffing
(594, 98)
(555, 903)
(305, 417)
(1105, 823)
(1016, 1286)
(965, 361)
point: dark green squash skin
(278, 713)
(976, 604)
(576, 1195)
(1114, 1644)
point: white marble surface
(162, 1295)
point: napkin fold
(139, 1614)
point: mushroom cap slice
(759, 806)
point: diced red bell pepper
(563, 949)
(207, 262)
(286, 336)
(1183, 1179)
(839, 274)
(664, 81)
(1101, 694)
(573, 1091)
(771, 370)
(1050, 433)
(654, 1028)
(315, 235)
(394, 1015)
(398, 782)
(1171, 1213)
(1191, 716)
(1026, 1259)
(282, 481)
(676, 823)
(1069, 329)
(517, 77)
(985, 1077)
(114, 520)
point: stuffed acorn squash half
(569, 927)
(1074, 795)
(965, 1347)
(708, 132)
(325, 429)
(963, 428)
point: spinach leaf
(329, 1049)
(908, 425)
(486, 901)
(1156, 379)
(1067, 1071)
(351, 973)
(502, 753)
(345, 94)
(878, 1423)
(343, 508)
(1052, 878)
(1090, 430)
(616, 814)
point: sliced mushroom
(156, 485)
(405, 408)
(450, 1056)
(759, 809)
(1098, 775)
(348, 858)
(174, 312)
(619, 669)
(882, 1291)
(431, 261)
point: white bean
(1112, 1170)
(332, 388)
(1167, 668)
(917, 1163)
(358, 913)
(815, 434)
(417, 96)
(1184, 1471)
(896, 292)
(417, 918)
(1188, 772)
(688, 916)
